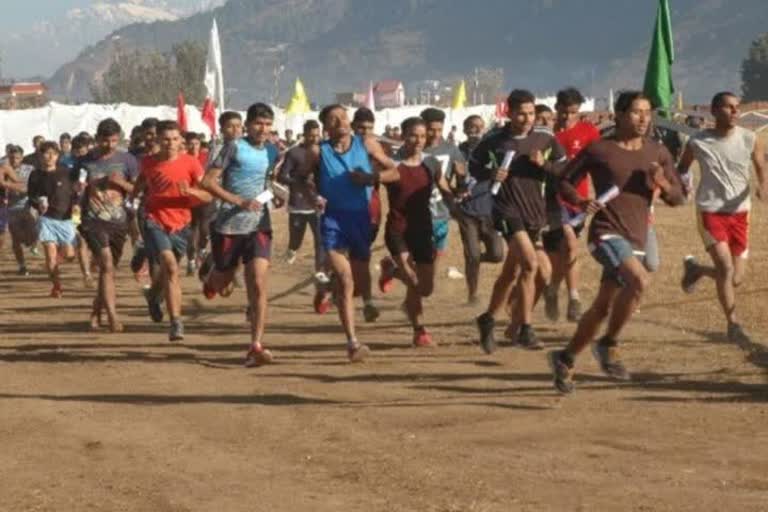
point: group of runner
(525, 186)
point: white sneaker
(290, 257)
(322, 278)
(454, 273)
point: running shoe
(527, 338)
(138, 258)
(562, 372)
(191, 267)
(486, 323)
(153, 305)
(257, 356)
(177, 331)
(422, 339)
(321, 302)
(387, 276)
(606, 353)
(208, 291)
(691, 274)
(57, 291)
(551, 304)
(357, 353)
(23, 271)
(206, 265)
(371, 312)
(574, 310)
(289, 257)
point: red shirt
(574, 140)
(409, 201)
(164, 203)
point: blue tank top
(335, 185)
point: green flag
(658, 76)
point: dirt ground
(130, 422)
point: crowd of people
(522, 194)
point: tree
(153, 78)
(754, 71)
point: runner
(242, 231)
(724, 154)
(474, 128)
(108, 174)
(409, 222)
(33, 158)
(518, 210)
(22, 220)
(363, 125)
(347, 171)
(636, 165)
(561, 241)
(169, 181)
(297, 172)
(52, 192)
(545, 118)
(202, 215)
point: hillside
(335, 45)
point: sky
(27, 11)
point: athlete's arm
(10, 180)
(684, 169)
(117, 178)
(758, 160)
(389, 176)
(378, 155)
(211, 184)
(665, 177)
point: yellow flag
(299, 102)
(680, 104)
(460, 96)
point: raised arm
(758, 160)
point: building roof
(386, 86)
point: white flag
(214, 73)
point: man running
(52, 192)
(474, 128)
(724, 154)
(108, 174)
(635, 165)
(297, 172)
(14, 179)
(530, 155)
(545, 118)
(242, 231)
(202, 215)
(346, 173)
(169, 181)
(561, 241)
(409, 222)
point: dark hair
(190, 136)
(14, 149)
(85, 134)
(227, 116)
(259, 111)
(150, 122)
(412, 122)
(80, 141)
(37, 138)
(626, 98)
(49, 145)
(718, 100)
(363, 115)
(432, 115)
(569, 96)
(108, 128)
(327, 111)
(310, 125)
(518, 97)
(542, 108)
(167, 126)
(65, 136)
(471, 118)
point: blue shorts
(347, 231)
(611, 252)
(440, 229)
(157, 240)
(59, 232)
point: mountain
(52, 41)
(335, 45)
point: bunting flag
(460, 96)
(299, 103)
(213, 80)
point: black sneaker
(153, 305)
(551, 304)
(607, 354)
(574, 310)
(527, 339)
(370, 312)
(177, 331)
(691, 274)
(562, 372)
(205, 267)
(486, 323)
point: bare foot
(115, 327)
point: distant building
(389, 94)
(23, 95)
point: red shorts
(731, 228)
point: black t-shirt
(297, 172)
(58, 186)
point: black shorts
(507, 227)
(100, 234)
(419, 245)
(230, 250)
(204, 214)
(553, 238)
